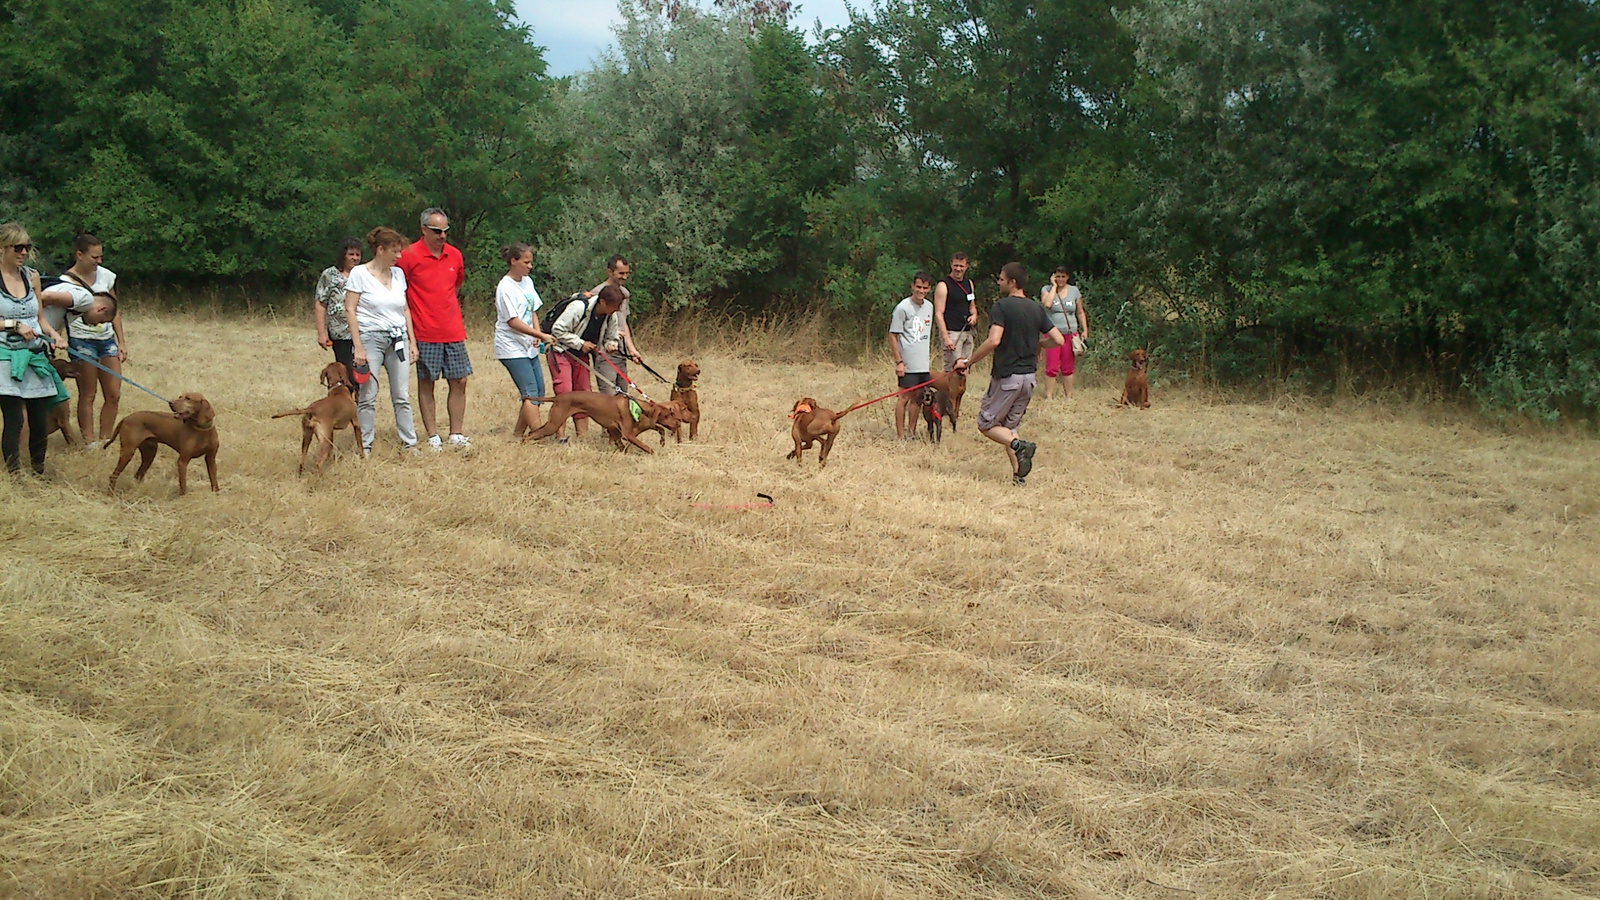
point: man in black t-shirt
(1018, 325)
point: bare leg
(1004, 436)
(88, 382)
(425, 406)
(900, 405)
(456, 404)
(1066, 385)
(111, 387)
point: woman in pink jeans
(1064, 303)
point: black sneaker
(1018, 480)
(1024, 456)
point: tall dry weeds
(1219, 650)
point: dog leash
(620, 373)
(89, 358)
(915, 387)
(640, 361)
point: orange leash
(915, 387)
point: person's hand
(636, 357)
(972, 317)
(589, 347)
(60, 343)
(411, 351)
(900, 367)
(961, 366)
(358, 355)
(323, 340)
(25, 332)
(949, 342)
(122, 353)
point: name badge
(972, 298)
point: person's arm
(1083, 319)
(996, 332)
(564, 330)
(320, 313)
(57, 341)
(122, 341)
(411, 336)
(941, 294)
(358, 353)
(1051, 338)
(55, 298)
(1047, 298)
(894, 350)
(972, 304)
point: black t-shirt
(1023, 319)
(956, 304)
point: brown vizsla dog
(189, 429)
(952, 386)
(60, 418)
(813, 423)
(322, 418)
(1136, 390)
(683, 391)
(611, 412)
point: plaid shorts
(436, 361)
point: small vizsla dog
(1136, 390)
(951, 386)
(60, 418)
(189, 429)
(611, 412)
(934, 406)
(683, 391)
(812, 423)
(322, 418)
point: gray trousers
(384, 352)
(608, 381)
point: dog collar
(685, 387)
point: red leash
(915, 387)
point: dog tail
(113, 435)
(292, 412)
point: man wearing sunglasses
(434, 272)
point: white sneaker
(435, 444)
(94, 445)
(460, 440)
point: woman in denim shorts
(517, 338)
(101, 343)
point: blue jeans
(382, 354)
(92, 347)
(527, 374)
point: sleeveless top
(24, 309)
(957, 303)
(1064, 312)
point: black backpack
(548, 321)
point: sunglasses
(437, 230)
(22, 248)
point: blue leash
(94, 362)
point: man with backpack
(581, 326)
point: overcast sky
(574, 31)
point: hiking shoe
(434, 443)
(1024, 456)
(460, 441)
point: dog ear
(200, 412)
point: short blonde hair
(13, 233)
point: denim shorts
(528, 375)
(93, 348)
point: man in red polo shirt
(434, 271)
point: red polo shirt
(431, 283)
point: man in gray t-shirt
(910, 330)
(617, 271)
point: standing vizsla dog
(812, 423)
(1136, 390)
(951, 387)
(683, 391)
(189, 429)
(322, 418)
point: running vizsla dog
(611, 412)
(683, 391)
(812, 423)
(322, 418)
(189, 429)
(1136, 390)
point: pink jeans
(1059, 360)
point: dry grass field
(1215, 649)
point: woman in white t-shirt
(101, 342)
(517, 338)
(1064, 303)
(380, 335)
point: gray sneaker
(435, 444)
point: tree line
(1328, 190)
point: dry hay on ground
(1211, 650)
